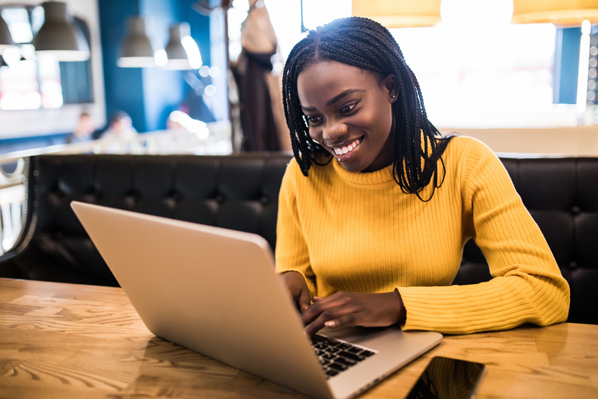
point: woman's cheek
(366, 120)
(315, 134)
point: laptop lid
(215, 291)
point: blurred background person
(83, 131)
(120, 126)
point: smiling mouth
(346, 149)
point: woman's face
(349, 113)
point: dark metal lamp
(59, 36)
(137, 50)
(181, 50)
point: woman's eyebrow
(341, 95)
(334, 99)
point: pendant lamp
(181, 50)
(399, 13)
(137, 50)
(558, 12)
(5, 36)
(59, 36)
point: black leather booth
(240, 192)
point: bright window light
(476, 69)
(17, 20)
(317, 12)
(30, 81)
(475, 77)
(476, 12)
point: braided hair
(365, 44)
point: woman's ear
(390, 84)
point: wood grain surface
(75, 341)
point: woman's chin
(352, 165)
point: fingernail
(330, 324)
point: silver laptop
(215, 291)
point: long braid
(365, 44)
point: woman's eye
(313, 120)
(348, 108)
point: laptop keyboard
(337, 356)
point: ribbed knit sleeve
(527, 284)
(292, 253)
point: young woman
(376, 206)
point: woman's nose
(334, 130)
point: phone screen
(446, 378)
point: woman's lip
(344, 143)
(350, 154)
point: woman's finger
(328, 315)
(304, 300)
(297, 287)
(348, 320)
(322, 305)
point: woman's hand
(349, 309)
(296, 285)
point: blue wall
(123, 86)
(163, 89)
(566, 65)
(148, 94)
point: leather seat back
(240, 192)
(235, 192)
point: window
(30, 81)
(471, 76)
(75, 77)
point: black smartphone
(446, 378)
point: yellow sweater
(359, 232)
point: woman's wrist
(402, 311)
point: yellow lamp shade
(399, 13)
(558, 12)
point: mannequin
(258, 77)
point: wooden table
(74, 341)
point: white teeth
(346, 149)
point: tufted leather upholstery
(240, 192)
(562, 197)
(237, 192)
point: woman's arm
(292, 254)
(527, 286)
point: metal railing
(216, 140)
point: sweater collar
(382, 177)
